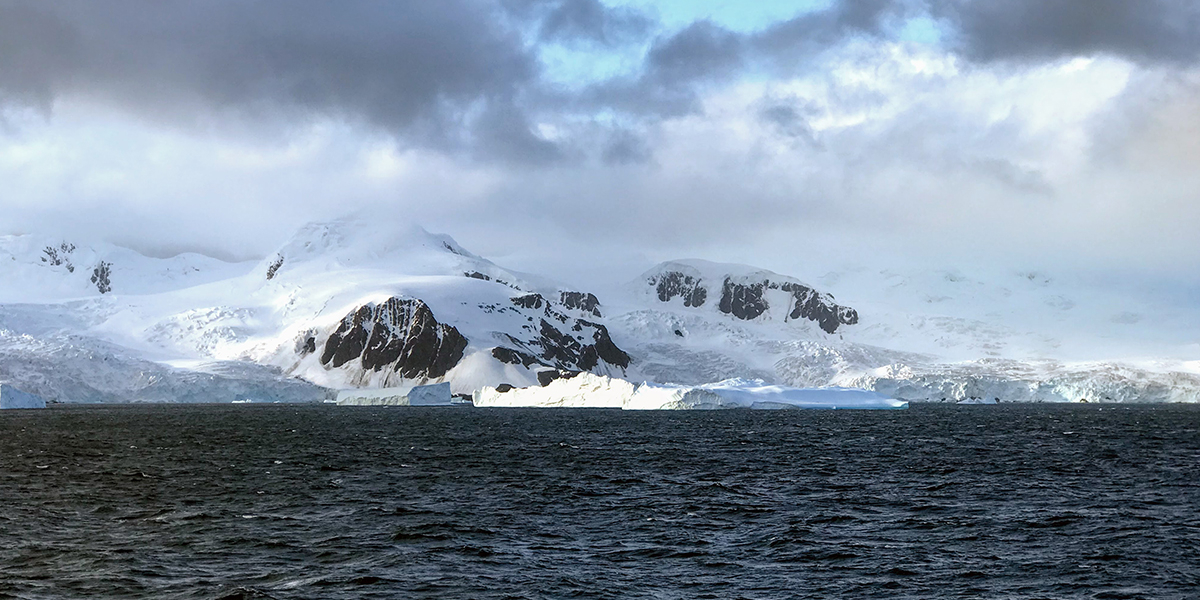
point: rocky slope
(351, 304)
(342, 304)
(746, 293)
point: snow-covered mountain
(353, 304)
(342, 304)
(928, 336)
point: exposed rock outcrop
(59, 256)
(675, 283)
(555, 339)
(400, 334)
(545, 377)
(273, 268)
(101, 277)
(744, 292)
(748, 301)
(581, 301)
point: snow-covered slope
(341, 304)
(352, 304)
(936, 336)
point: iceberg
(587, 390)
(11, 397)
(437, 394)
(584, 390)
(755, 394)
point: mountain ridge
(351, 303)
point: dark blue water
(348, 502)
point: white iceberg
(587, 390)
(437, 394)
(753, 393)
(584, 390)
(11, 397)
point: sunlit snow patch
(594, 391)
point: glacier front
(437, 394)
(11, 397)
(586, 390)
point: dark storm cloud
(679, 65)
(673, 70)
(464, 77)
(797, 39)
(503, 133)
(789, 117)
(591, 21)
(626, 147)
(421, 70)
(1032, 30)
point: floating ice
(753, 393)
(11, 397)
(437, 394)
(595, 391)
(584, 390)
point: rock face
(748, 301)
(273, 268)
(100, 277)
(400, 334)
(545, 377)
(675, 283)
(554, 339)
(581, 301)
(59, 255)
(744, 293)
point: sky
(596, 137)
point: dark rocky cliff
(400, 334)
(553, 339)
(748, 301)
(746, 298)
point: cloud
(681, 65)
(591, 21)
(226, 124)
(1036, 30)
(419, 70)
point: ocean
(327, 502)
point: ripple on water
(282, 502)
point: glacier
(355, 305)
(11, 397)
(437, 394)
(585, 390)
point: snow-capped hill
(357, 243)
(396, 248)
(359, 305)
(45, 269)
(745, 293)
(341, 304)
(354, 304)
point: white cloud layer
(874, 151)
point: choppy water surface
(348, 502)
